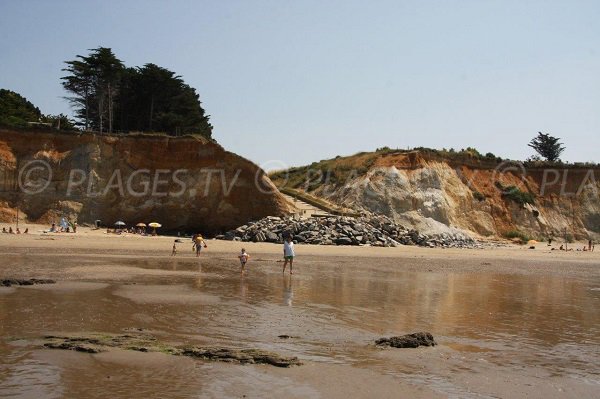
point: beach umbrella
(120, 223)
(154, 225)
(141, 225)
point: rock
(230, 235)
(271, 237)
(413, 340)
(140, 342)
(243, 356)
(373, 230)
(343, 241)
(17, 281)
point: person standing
(243, 260)
(590, 245)
(199, 243)
(288, 254)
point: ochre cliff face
(428, 192)
(183, 183)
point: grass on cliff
(332, 171)
(514, 194)
(340, 170)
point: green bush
(514, 194)
(517, 234)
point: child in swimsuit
(243, 260)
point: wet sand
(510, 322)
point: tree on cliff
(148, 98)
(16, 111)
(547, 146)
(94, 81)
(153, 98)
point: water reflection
(288, 291)
(549, 322)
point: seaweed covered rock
(141, 342)
(413, 340)
(8, 282)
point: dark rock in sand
(17, 281)
(243, 356)
(413, 340)
(271, 237)
(96, 343)
(343, 241)
(73, 346)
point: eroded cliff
(184, 183)
(435, 193)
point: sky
(287, 83)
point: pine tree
(547, 146)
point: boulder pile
(378, 231)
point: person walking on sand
(243, 256)
(288, 254)
(199, 243)
(590, 245)
(174, 251)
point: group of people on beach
(16, 231)
(198, 244)
(586, 248)
(288, 256)
(65, 226)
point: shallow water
(540, 326)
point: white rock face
(437, 199)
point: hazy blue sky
(301, 81)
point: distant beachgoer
(174, 251)
(4, 230)
(10, 231)
(198, 244)
(53, 228)
(18, 231)
(26, 231)
(243, 260)
(288, 254)
(562, 248)
(590, 245)
(584, 249)
(74, 227)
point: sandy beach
(509, 321)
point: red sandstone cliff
(185, 183)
